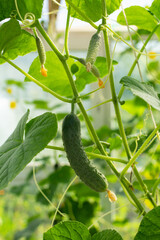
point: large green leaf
(142, 90)
(7, 34)
(149, 228)
(57, 79)
(19, 46)
(155, 8)
(139, 17)
(17, 152)
(93, 8)
(108, 234)
(112, 5)
(25, 6)
(68, 230)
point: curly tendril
(29, 18)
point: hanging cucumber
(93, 50)
(71, 135)
(41, 54)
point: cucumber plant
(18, 150)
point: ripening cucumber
(93, 48)
(95, 71)
(41, 51)
(71, 135)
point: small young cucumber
(77, 157)
(93, 49)
(95, 71)
(41, 51)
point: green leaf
(83, 77)
(7, 34)
(15, 82)
(150, 226)
(149, 183)
(139, 17)
(112, 5)
(108, 234)
(7, 8)
(142, 90)
(155, 8)
(56, 79)
(19, 46)
(93, 8)
(68, 230)
(17, 152)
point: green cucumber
(93, 48)
(41, 51)
(95, 71)
(71, 136)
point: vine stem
(116, 105)
(92, 131)
(95, 155)
(140, 151)
(36, 81)
(43, 194)
(67, 33)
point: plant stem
(140, 151)
(155, 186)
(36, 81)
(49, 41)
(124, 181)
(115, 101)
(92, 131)
(94, 155)
(107, 101)
(138, 56)
(67, 33)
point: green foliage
(150, 226)
(92, 8)
(68, 230)
(142, 90)
(77, 231)
(16, 152)
(6, 33)
(107, 234)
(139, 17)
(57, 79)
(67, 76)
(155, 8)
(7, 9)
(19, 46)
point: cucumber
(89, 174)
(93, 48)
(95, 71)
(41, 51)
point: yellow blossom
(152, 55)
(112, 196)
(12, 104)
(9, 90)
